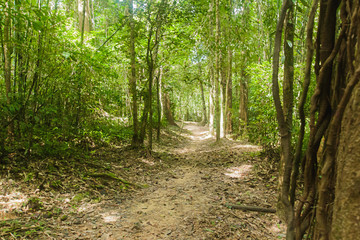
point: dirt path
(185, 202)
(185, 187)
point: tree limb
(251, 208)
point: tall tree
(211, 69)
(228, 100)
(7, 57)
(132, 79)
(217, 71)
(204, 117)
(284, 111)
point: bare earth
(183, 196)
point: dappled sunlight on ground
(203, 136)
(238, 172)
(9, 203)
(204, 142)
(151, 163)
(247, 147)
(278, 229)
(110, 217)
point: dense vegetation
(76, 75)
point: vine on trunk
(337, 74)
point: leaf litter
(178, 191)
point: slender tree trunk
(286, 162)
(243, 116)
(167, 109)
(83, 22)
(87, 16)
(243, 99)
(327, 43)
(144, 117)
(284, 115)
(150, 104)
(217, 72)
(211, 70)
(228, 80)
(158, 80)
(132, 79)
(302, 101)
(223, 97)
(7, 58)
(204, 118)
(228, 104)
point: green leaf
(304, 3)
(66, 54)
(289, 43)
(37, 25)
(282, 59)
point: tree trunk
(167, 109)
(284, 114)
(150, 104)
(228, 100)
(211, 71)
(243, 102)
(83, 21)
(223, 97)
(302, 102)
(228, 108)
(345, 224)
(204, 118)
(143, 125)
(327, 27)
(158, 101)
(217, 72)
(132, 79)
(7, 58)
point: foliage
(262, 116)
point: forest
(180, 119)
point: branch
(275, 63)
(112, 35)
(307, 79)
(251, 208)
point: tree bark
(83, 22)
(167, 109)
(228, 108)
(252, 208)
(150, 62)
(211, 71)
(217, 71)
(345, 224)
(204, 117)
(284, 116)
(223, 96)
(7, 58)
(158, 103)
(302, 101)
(243, 102)
(132, 79)
(321, 98)
(228, 101)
